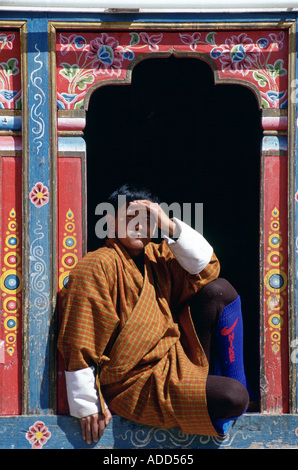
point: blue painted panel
(152, 17)
(252, 431)
(10, 123)
(274, 143)
(39, 219)
(71, 144)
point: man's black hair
(132, 193)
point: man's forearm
(82, 394)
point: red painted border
(70, 221)
(275, 295)
(11, 286)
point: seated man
(150, 332)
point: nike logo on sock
(226, 331)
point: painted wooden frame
(104, 55)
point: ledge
(251, 431)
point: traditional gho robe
(138, 330)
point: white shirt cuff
(82, 395)
(191, 250)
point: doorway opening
(190, 141)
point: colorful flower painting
(255, 57)
(39, 195)
(10, 75)
(105, 55)
(38, 435)
(192, 40)
(238, 54)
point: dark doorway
(173, 130)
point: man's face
(134, 227)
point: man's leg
(227, 399)
(206, 309)
(216, 312)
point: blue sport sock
(229, 353)
(222, 426)
(229, 342)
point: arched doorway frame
(277, 293)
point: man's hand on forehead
(136, 207)
(162, 219)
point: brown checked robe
(138, 330)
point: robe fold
(138, 330)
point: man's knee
(220, 290)
(226, 397)
(211, 300)
(236, 398)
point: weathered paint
(83, 61)
(10, 123)
(37, 218)
(11, 287)
(61, 432)
(70, 244)
(275, 377)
